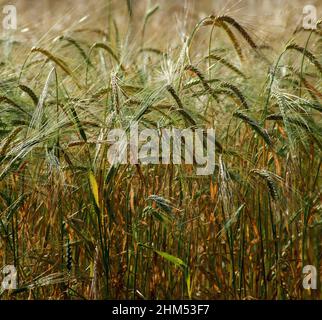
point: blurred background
(37, 18)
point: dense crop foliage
(76, 227)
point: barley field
(75, 226)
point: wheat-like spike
(237, 92)
(233, 39)
(115, 94)
(12, 103)
(36, 61)
(19, 122)
(57, 61)
(30, 93)
(148, 15)
(262, 132)
(215, 92)
(202, 79)
(227, 64)
(69, 259)
(311, 89)
(76, 45)
(185, 114)
(153, 50)
(237, 26)
(158, 106)
(308, 54)
(269, 181)
(193, 83)
(274, 116)
(181, 109)
(215, 21)
(175, 96)
(198, 73)
(37, 116)
(221, 22)
(8, 140)
(129, 5)
(300, 123)
(68, 254)
(51, 57)
(108, 49)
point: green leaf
(175, 260)
(94, 187)
(188, 282)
